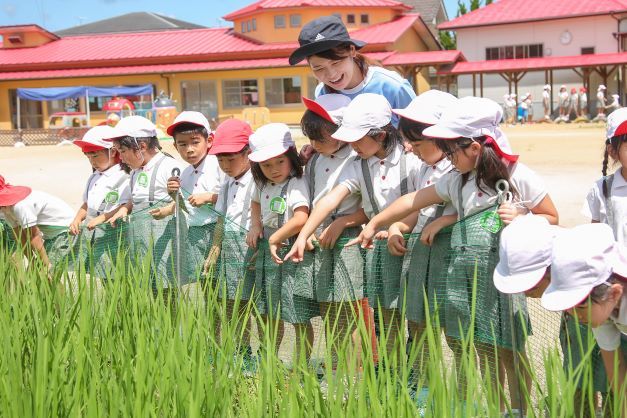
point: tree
(447, 40)
(475, 4)
(461, 8)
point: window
(350, 19)
(365, 19)
(295, 21)
(514, 51)
(31, 114)
(201, 96)
(248, 26)
(254, 24)
(243, 27)
(312, 83)
(587, 50)
(279, 21)
(97, 103)
(283, 91)
(238, 93)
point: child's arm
(321, 211)
(200, 199)
(430, 231)
(399, 209)
(288, 230)
(163, 211)
(396, 241)
(122, 211)
(616, 373)
(105, 217)
(331, 233)
(75, 226)
(546, 208)
(256, 228)
(32, 236)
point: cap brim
(226, 149)
(420, 118)
(516, 283)
(266, 154)
(170, 129)
(436, 131)
(11, 195)
(346, 134)
(317, 109)
(563, 300)
(315, 47)
(88, 146)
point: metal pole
(19, 114)
(87, 107)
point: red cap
(10, 195)
(317, 109)
(230, 136)
(583, 90)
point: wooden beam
(577, 72)
(481, 84)
(551, 84)
(474, 84)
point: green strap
(366, 173)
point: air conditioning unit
(15, 39)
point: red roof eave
(426, 58)
(450, 25)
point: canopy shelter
(75, 92)
(513, 70)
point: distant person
(614, 105)
(529, 102)
(600, 103)
(563, 101)
(583, 102)
(546, 102)
(523, 109)
(512, 108)
(573, 103)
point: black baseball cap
(320, 35)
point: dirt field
(567, 157)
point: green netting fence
(393, 312)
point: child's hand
(158, 213)
(507, 212)
(365, 237)
(212, 259)
(174, 184)
(253, 235)
(75, 227)
(200, 199)
(297, 252)
(306, 152)
(396, 242)
(115, 217)
(275, 245)
(310, 243)
(429, 232)
(94, 223)
(330, 235)
(381, 235)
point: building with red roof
(218, 71)
(515, 46)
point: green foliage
(447, 40)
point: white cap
(616, 123)
(512, 95)
(601, 87)
(524, 253)
(468, 117)
(189, 116)
(506, 96)
(133, 126)
(562, 87)
(329, 106)
(270, 141)
(367, 111)
(427, 107)
(547, 87)
(94, 139)
(583, 257)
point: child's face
(426, 150)
(234, 164)
(100, 160)
(337, 74)
(327, 145)
(619, 156)
(129, 156)
(192, 147)
(464, 159)
(276, 169)
(366, 147)
(597, 312)
(538, 290)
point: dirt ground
(567, 157)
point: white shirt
(141, 177)
(234, 200)
(429, 175)
(206, 178)
(110, 187)
(327, 175)
(47, 212)
(608, 334)
(594, 207)
(386, 179)
(530, 187)
(297, 195)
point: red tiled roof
(425, 58)
(162, 68)
(536, 64)
(515, 11)
(283, 4)
(385, 33)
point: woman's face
(276, 169)
(101, 160)
(339, 74)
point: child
(135, 139)
(107, 190)
(338, 271)
(198, 184)
(382, 173)
(419, 272)
(235, 278)
(607, 200)
(589, 278)
(601, 102)
(546, 102)
(279, 209)
(583, 103)
(524, 264)
(468, 134)
(39, 221)
(339, 68)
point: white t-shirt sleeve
(530, 186)
(592, 207)
(607, 335)
(349, 177)
(25, 214)
(256, 193)
(445, 185)
(298, 195)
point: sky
(55, 15)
